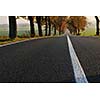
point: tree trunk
(32, 30)
(59, 30)
(49, 26)
(38, 18)
(97, 25)
(78, 31)
(46, 26)
(12, 27)
(54, 29)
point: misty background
(23, 25)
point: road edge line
(79, 74)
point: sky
(91, 18)
(4, 20)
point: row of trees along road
(78, 23)
(54, 22)
(74, 23)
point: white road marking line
(78, 71)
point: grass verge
(88, 32)
(6, 40)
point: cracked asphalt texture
(88, 52)
(43, 60)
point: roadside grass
(23, 33)
(6, 40)
(88, 32)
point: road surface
(43, 60)
(49, 61)
(88, 52)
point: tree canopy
(77, 24)
(58, 23)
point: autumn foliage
(77, 24)
(57, 23)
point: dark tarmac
(48, 60)
(36, 61)
(88, 52)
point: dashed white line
(79, 74)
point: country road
(43, 60)
(48, 60)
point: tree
(64, 24)
(32, 30)
(97, 25)
(38, 18)
(31, 19)
(77, 23)
(54, 29)
(46, 26)
(12, 27)
(61, 23)
(49, 23)
(71, 27)
(54, 23)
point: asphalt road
(43, 60)
(88, 52)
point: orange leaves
(59, 21)
(77, 23)
(63, 26)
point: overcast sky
(4, 20)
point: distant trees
(77, 24)
(52, 24)
(64, 23)
(54, 20)
(58, 23)
(60, 19)
(97, 25)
